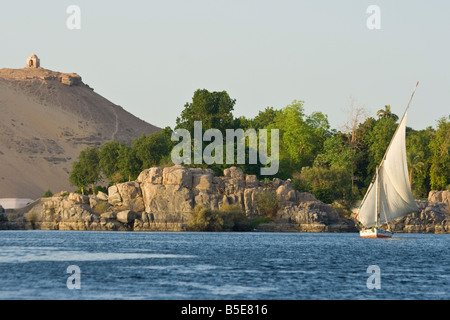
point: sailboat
(389, 196)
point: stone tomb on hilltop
(33, 62)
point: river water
(222, 266)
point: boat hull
(375, 233)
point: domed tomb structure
(33, 61)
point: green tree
(327, 184)
(265, 118)
(415, 162)
(128, 164)
(336, 153)
(301, 137)
(214, 109)
(440, 159)
(86, 170)
(243, 123)
(378, 141)
(108, 158)
(149, 150)
(387, 113)
(419, 160)
(360, 144)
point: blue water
(225, 266)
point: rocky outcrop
(433, 216)
(310, 216)
(70, 79)
(162, 199)
(439, 196)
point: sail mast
(377, 196)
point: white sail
(394, 198)
(367, 214)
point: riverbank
(162, 199)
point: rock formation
(162, 199)
(433, 216)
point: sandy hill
(46, 119)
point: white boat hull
(375, 233)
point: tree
(327, 184)
(265, 118)
(415, 161)
(378, 141)
(243, 123)
(418, 157)
(214, 109)
(86, 170)
(440, 159)
(363, 174)
(301, 137)
(149, 150)
(356, 115)
(337, 153)
(387, 113)
(108, 155)
(128, 164)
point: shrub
(204, 219)
(100, 188)
(254, 223)
(102, 206)
(327, 184)
(48, 194)
(267, 203)
(234, 218)
(228, 218)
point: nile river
(231, 266)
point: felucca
(389, 196)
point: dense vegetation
(329, 163)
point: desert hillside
(47, 118)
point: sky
(150, 56)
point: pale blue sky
(150, 56)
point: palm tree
(414, 162)
(387, 113)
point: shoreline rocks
(162, 199)
(433, 216)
